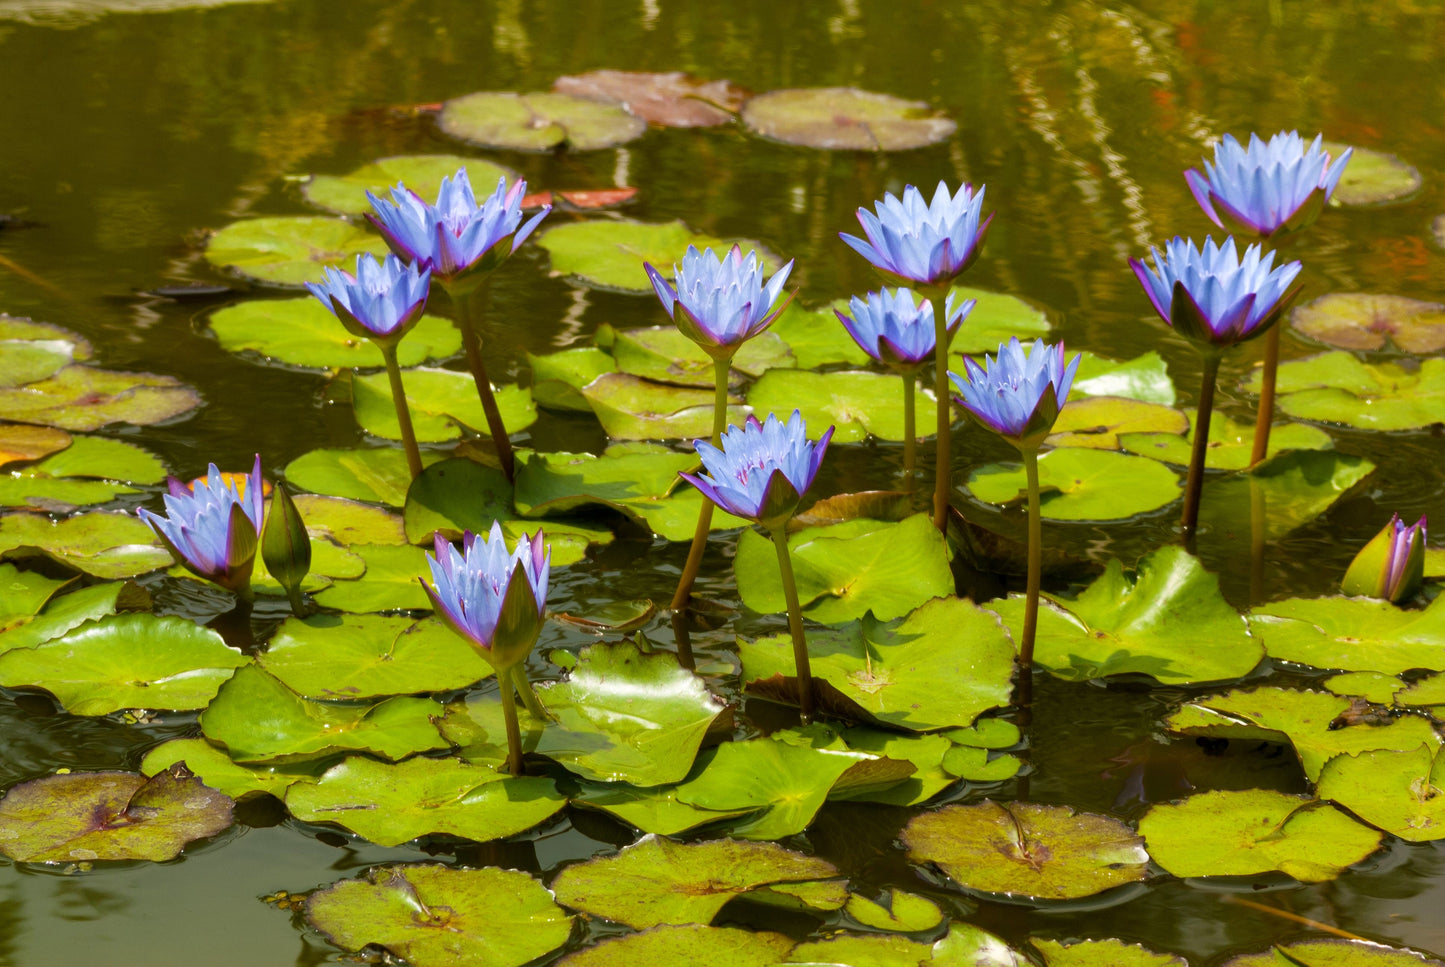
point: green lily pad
(925, 752)
(24, 594)
(290, 249)
(993, 733)
(85, 398)
(61, 615)
(816, 338)
(220, 771)
(1371, 686)
(636, 409)
(672, 99)
(1251, 831)
(349, 522)
(303, 332)
(1166, 620)
(692, 944)
(100, 544)
(91, 470)
(609, 252)
(652, 810)
(856, 404)
(939, 667)
(1352, 634)
(441, 401)
(1029, 849)
(657, 881)
(1231, 444)
(1402, 793)
(1082, 484)
(847, 570)
(21, 329)
(1144, 378)
(996, 318)
(1103, 953)
(1100, 422)
(845, 119)
(968, 946)
(824, 895)
(126, 661)
(1297, 486)
(863, 950)
(1426, 691)
(1373, 178)
(1333, 953)
(366, 656)
(432, 916)
(389, 584)
(979, 766)
(390, 804)
(28, 360)
(1362, 321)
(21, 443)
(57, 495)
(378, 474)
(558, 378)
(900, 912)
(422, 173)
(84, 816)
(259, 719)
(663, 354)
(538, 121)
(1336, 387)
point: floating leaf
(1296, 487)
(91, 470)
(1251, 831)
(1103, 953)
(1231, 444)
(610, 252)
(303, 332)
(672, 99)
(349, 522)
(1371, 686)
(1082, 484)
(220, 771)
(100, 544)
(968, 946)
(652, 810)
(25, 593)
(558, 378)
(863, 950)
(1402, 793)
(665, 355)
(442, 401)
(816, 337)
(636, 409)
(657, 881)
(845, 119)
(1333, 953)
(85, 398)
(1045, 852)
(1362, 321)
(538, 121)
(421, 173)
(1373, 178)
(691, 944)
(64, 613)
(28, 360)
(291, 249)
(20, 330)
(20, 442)
(378, 474)
(899, 911)
(925, 752)
(432, 916)
(855, 404)
(1352, 634)
(1336, 387)
(84, 816)
(1144, 378)
(389, 583)
(1099, 422)
(996, 318)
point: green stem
(910, 435)
(1190, 521)
(403, 412)
(802, 669)
(509, 715)
(472, 343)
(1035, 579)
(1264, 416)
(530, 701)
(942, 469)
(298, 604)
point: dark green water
(123, 137)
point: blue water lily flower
(896, 329)
(1015, 394)
(1269, 187)
(212, 525)
(927, 244)
(762, 469)
(1391, 565)
(456, 236)
(381, 302)
(1213, 296)
(724, 301)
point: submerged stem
(942, 471)
(802, 669)
(1264, 416)
(1035, 579)
(472, 343)
(403, 412)
(1190, 521)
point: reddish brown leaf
(671, 99)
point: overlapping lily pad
(538, 121)
(1336, 387)
(663, 354)
(1100, 422)
(899, 911)
(303, 332)
(221, 772)
(845, 119)
(1143, 378)
(21, 442)
(378, 473)
(1401, 792)
(291, 249)
(558, 378)
(84, 398)
(442, 401)
(1079, 484)
(91, 470)
(61, 614)
(609, 252)
(1353, 634)
(100, 544)
(637, 409)
(421, 173)
(692, 944)
(388, 584)
(1365, 321)
(1293, 487)
(672, 99)
(1103, 953)
(1373, 178)
(652, 810)
(1231, 444)
(856, 404)
(1330, 952)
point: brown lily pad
(845, 119)
(20, 443)
(1359, 320)
(672, 99)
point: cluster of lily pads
(360, 713)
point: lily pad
(1251, 831)
(856, 404)
(558, 378)
(1401, 792)
(652, 810)
(899, 911)
(637, 409)
(996, 318)
(1336, 387)
(1371, 686)
(288, 250)
(1103, 953)
(925, 752)
(1231, 444)
(21, 330)
(845, 119)
(220, 771)
(1079, 484)
(672, 99)
(1297, 486)
(442, 401)
(28, 360)
(1330, 952)
(863, 950)
(84, 816)
(85, 398)
(1099, 422)
(21, 443)
(1362, 321)
(25, 593)
(691, 944)
(100, 544)
(389, 583)
(1028, 849)
(538, 121)
(609, 252)
(432, 916)
(1373, 178)
(378, 474)
(303, 332)
(663, 354)
(815, 337)
(657, 881)
(1143, 378)
(1352, 634)
(349, 522)
(422, 173)
(91, 470)
(61, 615)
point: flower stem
(530, 702)
(472, 343)
(910, 435)
(802, 669)
(509, 715)
(298, 604)
(942, 471)
(403, 413)
(1264, 416)
(1190, 521)
(1035, 580)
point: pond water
(133, 129)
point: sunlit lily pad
(220, 771)
(845, 119)
(62, 613)
(1028, 849)
(558, 378)
(609, 252)
(1353, 634)
(1362, 321)
(1401, 792)
(1336, 387)
(432, 916)
(303, 332)
(1246, 832)
(1103, 953)
(657, 881)
(22, 330)
(91, 470)
(21, 442)
(100, 544)
(1231, 444)
(672, 99)
(940, 667)
(665, 355)
(968, 946)
(422, 173)
(637, 409)
(847, 570)
(652, 810)
(1329, 952)
(856, 404)
(901, 912)
(1373, 178)
(442, 401)
(1143, 378)
(816, 338)
(996, 318)
(25, 593)
(1082, 484)
(378, 474)
(925, 752)
(538, 121)
(291, 249)
(27, 360)
(85, 398)
(389, 583)
(1297, 486)
(691, 944)
(84, 816)
(349, 522)
(1371, 686)
(864, 950)
(1099, 422)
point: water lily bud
(1391, 565)
(285, 546)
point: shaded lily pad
(21, 330)
(1371, 686)
(442, 401)
(538, 121)
(1103, 953)
(1362, 321)
(665, 355)
(84, 816)
(1352, 634)
(845, 119)
(558, 378)
(61, 615)
(389, 583)
(303, 332)
(85, 398)
(220, 771)
(432, 916)
(21, 442)
(1297, 487)
(1044, 852)
(1401, 792)
(100, 544)
(1231, 444)
(422, 173)
(1082, 484)
(653, 810)
(657, 881)
(609, 252)
(1336, 387)
(925, 752)
(1373, 178)
(1251, 831)
(691, 944)
(1099, 422)
(899, 911)
(863, 950)
(378, 474)
(1167, 620)
(637, 409)
(1143, 378)
(672, 99)
(856, 404)
(290, 249)
(1330, 952)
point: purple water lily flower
(1018, 395)
(494, 598)
(212, 525)
(455, 236)
(1273, 186)
(724, 301)
(1391, 565)
(762, 469)
(896, 329)
(1213, 296)
(927, 244)
(382, 301)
